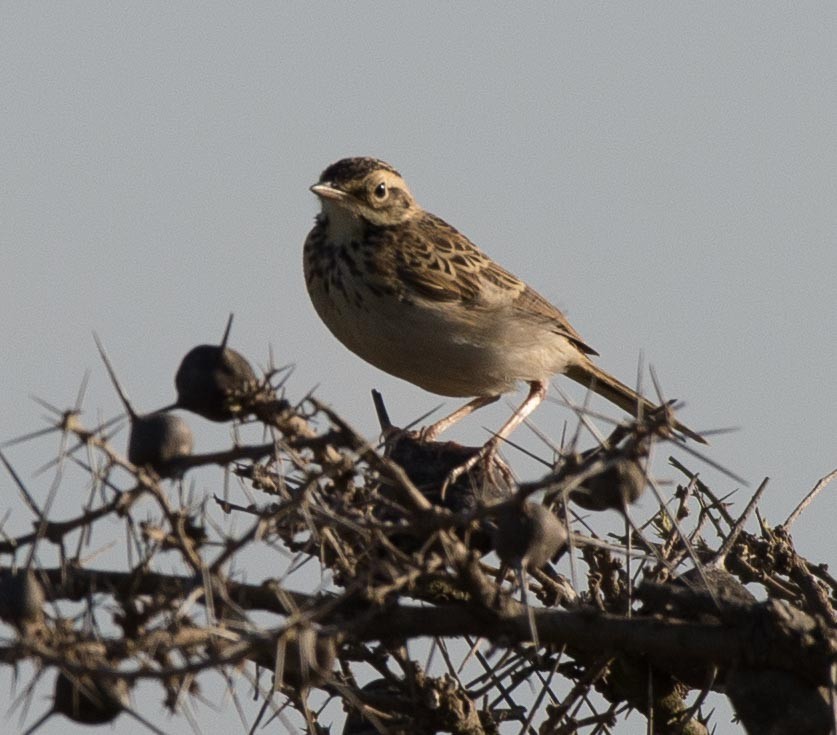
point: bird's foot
(425, 434)
(491, 461)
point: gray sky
(665, 173)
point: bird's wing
(439, 263)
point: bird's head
(365, 188)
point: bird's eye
(381, 191)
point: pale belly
(442, 348)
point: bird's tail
(593, 377)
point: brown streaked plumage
(410, 294)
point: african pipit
(408, 293)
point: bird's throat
(341, 226)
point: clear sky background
(666, 173)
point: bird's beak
(324, 191)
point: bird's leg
(431, 432)
(537, 392)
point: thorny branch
(397, 561)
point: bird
(410, 294)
